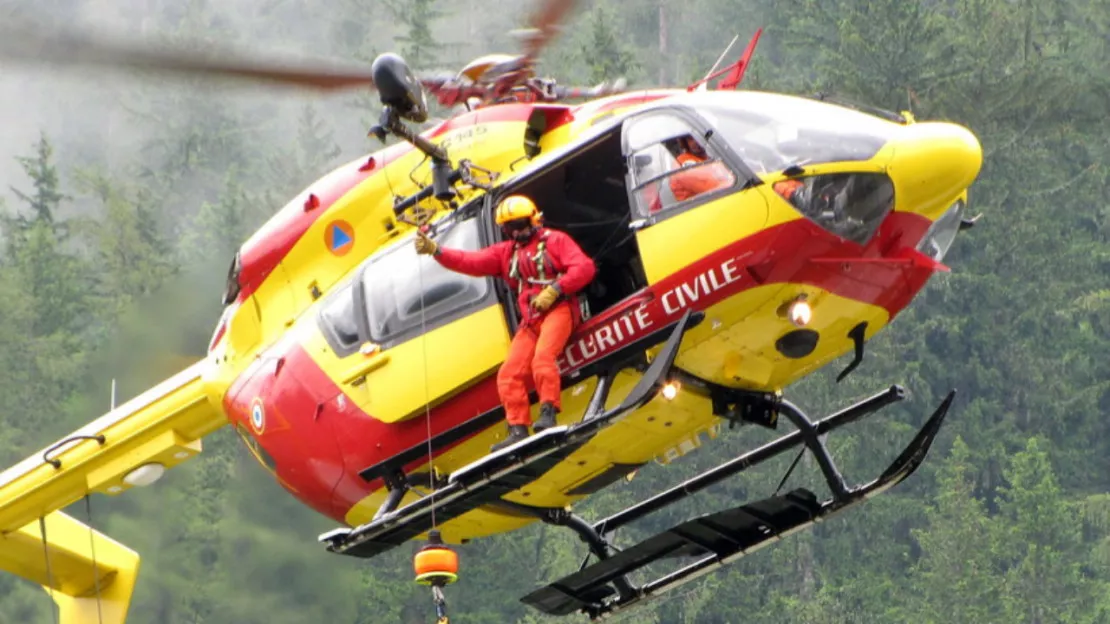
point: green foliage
(111, 270)
(418, 46)
(602, 49)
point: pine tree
(1042, 545)
(602, 48)
(957, 566)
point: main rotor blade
(25, 44)
(544, 25)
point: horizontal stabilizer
(89, 576)
(723, 534)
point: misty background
(124, 197)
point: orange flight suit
(550, 255)
(693, 181)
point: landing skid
(602, 589)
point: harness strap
(541, 261)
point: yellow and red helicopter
(363, 376)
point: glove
(425, 245)
(546, 298)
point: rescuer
(547, 269)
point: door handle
(358, 374)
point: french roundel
(258, 416)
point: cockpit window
(669, 164)
(773, 133)
(404, 291)
(339, 320)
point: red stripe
(796, 252)
(267, 247)
(321, 440)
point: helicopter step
(720, 538)
(488, 479)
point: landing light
(144, 475)
(670, 390)
(800, 313)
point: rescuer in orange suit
(547, 269)
(691, 181)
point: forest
(123, 197)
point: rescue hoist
(436, 565)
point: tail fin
(128, 447)
(85, 592)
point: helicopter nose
(932, 164)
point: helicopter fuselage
(338, 380)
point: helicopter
(362, 376)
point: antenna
(720, 58)
(113, 398)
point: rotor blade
(544, 25)
(25, 44)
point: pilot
(692, 181)
(547, 269)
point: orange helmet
(516, 207)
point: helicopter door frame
(700, 130)
(489, 234)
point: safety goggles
(517, 225)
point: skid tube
(601, 590)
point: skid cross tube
(597, 544)
(809, 434)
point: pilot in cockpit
(695, 178)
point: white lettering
(671, 308)
(691, 290)
(571, 360)
(643, 321)
(713, 280)
(730, 270)
(605, 338)
(626, 320)
(703, 279)
(588, 346)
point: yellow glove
(425, 245)
(546, 298)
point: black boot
(546, 419)
(516, 434)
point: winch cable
(49, 573)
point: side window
(339, 320)
(404, 291)
(669, 164)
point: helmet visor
(516, 225)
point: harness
(540, 259)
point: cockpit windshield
(773, 132)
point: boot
(546, 419)
(516, 434)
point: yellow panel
(675, 243)
(167, 449)
(168, 418)
(73, 579)
(456, 355)
(740, 351)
